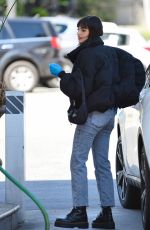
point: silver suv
(27, 46)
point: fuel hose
(29, 194)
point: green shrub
(40, 11)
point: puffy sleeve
(70, 83)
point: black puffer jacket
(99, 67)
(132, 79)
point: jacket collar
(92, 42)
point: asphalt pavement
(48, 143)
(55, 196)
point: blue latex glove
(55, 69)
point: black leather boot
(76, 218)
(104, 219)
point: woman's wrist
(60, 75)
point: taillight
(55, 43)
(147, 48)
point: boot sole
(104, 225)
(82, 225)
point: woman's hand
(55, 69)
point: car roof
(71, 24)
(62, 19)
(23, 19)
(109, 27)
(71, 21)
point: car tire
(21, 76)
(129, 195)
(53, 82)
(145, 190)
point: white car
(66, 28)
(130, 40)
(133, 154)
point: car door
(137, 120)
(131, 127)
(145, 114)
(5, 38)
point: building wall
(129, 12)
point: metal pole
(14, 148)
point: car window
(60, 28)
(114, 39)
(23, 29)
(4, 34)
(50, 28)
(110, 39)
(123, 39)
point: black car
(27, 46)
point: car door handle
(7, 46)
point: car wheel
(21, 76)
(145, 190)
(129, 195)
(53, 82)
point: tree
(7, 10)
(2, 7)
(105, 9)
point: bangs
(92, 23)
(82, 23)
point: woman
(99, 67)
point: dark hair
(94, 25)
